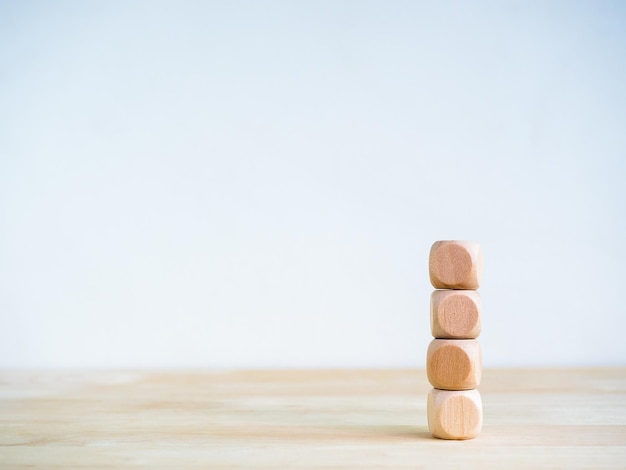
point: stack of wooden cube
(454, 358)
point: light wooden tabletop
(562, 418)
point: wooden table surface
(559, 418)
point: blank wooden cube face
(454, 415)
(455, 314)
(454, 364)
(455, 264)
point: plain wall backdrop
(257, 184)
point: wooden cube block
(455, 314)
(454, 414)
(454, 364)
(455, 264)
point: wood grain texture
(454, 364)
(455, 264)
(305, 419)
(455, 314)
(454, 414)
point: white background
(257, 184)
